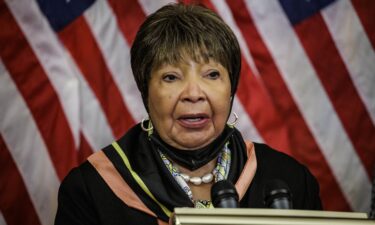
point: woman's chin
(191, 138)
(194, 142)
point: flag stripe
(96, 74)
(324, 123)
(302, 139)
(85, 149)
(37, 91)
(12, 191)
(245, 124)
(116, 52)
(64, 76)
(28, 149)
(224, 11)
(352, 120)
(94, 123)
(48, 50)
(355, 50)
(151, 6)
(129, 16)
(261, 110)
(365, 11)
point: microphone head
(222, 191)
(276, 194)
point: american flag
(307, 87)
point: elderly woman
(186, 63)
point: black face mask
(193, 159)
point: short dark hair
(173, 31)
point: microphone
(224, 195)
(277, 195)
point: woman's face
(189, 102)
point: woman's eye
(169, 77)
(213, 75)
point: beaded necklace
(220, 172)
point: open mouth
(193, 120)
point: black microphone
(277, 195)
(224, 195)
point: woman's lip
(193, 121)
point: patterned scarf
(220, 172)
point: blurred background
(307, 88)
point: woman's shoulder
(270, 156)
(78, 178)
(274, 163)
(74, 193)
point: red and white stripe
(355, 49)
(116, 52)
(25, 146)
(48, 50)
(307, 90)
(308, 93)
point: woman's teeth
(193, 119)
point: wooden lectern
(221, 216)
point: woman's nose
(192, 91)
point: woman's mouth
(193, 121)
